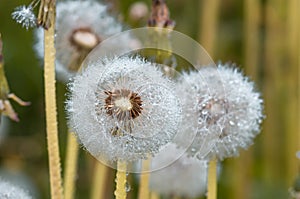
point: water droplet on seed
(231, 123)
(127, 187)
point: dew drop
(204, 112)
(127, 187)
(231, 123)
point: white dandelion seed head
(10, 191)
(25, 16)
(227, 111)
(186, 177)
(85, 22)
(123, 109)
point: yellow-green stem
(51, 120)
(209, 23)
(99, 180)
(154, 195)
(71, 166)
(120, 191)
(212, 180)
(144, 181)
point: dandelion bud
(123, 109)
(186, 177)
(80, 26)
(10, 191)
(226, 108)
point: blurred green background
(261, 36)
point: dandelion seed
(123, 109)
(226, 108)
(25, 16)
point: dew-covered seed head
(25, 16)
(186, 177)
(80, 27)
(224, 109)
(123, 109)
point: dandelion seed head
(169, 180)
(80, 26)
(25, 16)
(10, 191)
(226, 108)
(123, 109)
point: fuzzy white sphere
(123, 109)
(86, 22)
(223, 108)
(10, 191)
(186, 177)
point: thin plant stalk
(212, 179)
(51, 113)
(291, 112)
(207, 36)
(273, 84)
(144, 180)
(154, 195)
(298, 83)
(241, 181)
(71, 166)
(100, 175)
(120, 180)
(208, 24)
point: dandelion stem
(51, 120)
(71, 166)
(212, 180)
(154, 195)
(98, 181)
(120, 191)
(144, 182)
(209, 24)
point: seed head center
(123, 103)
